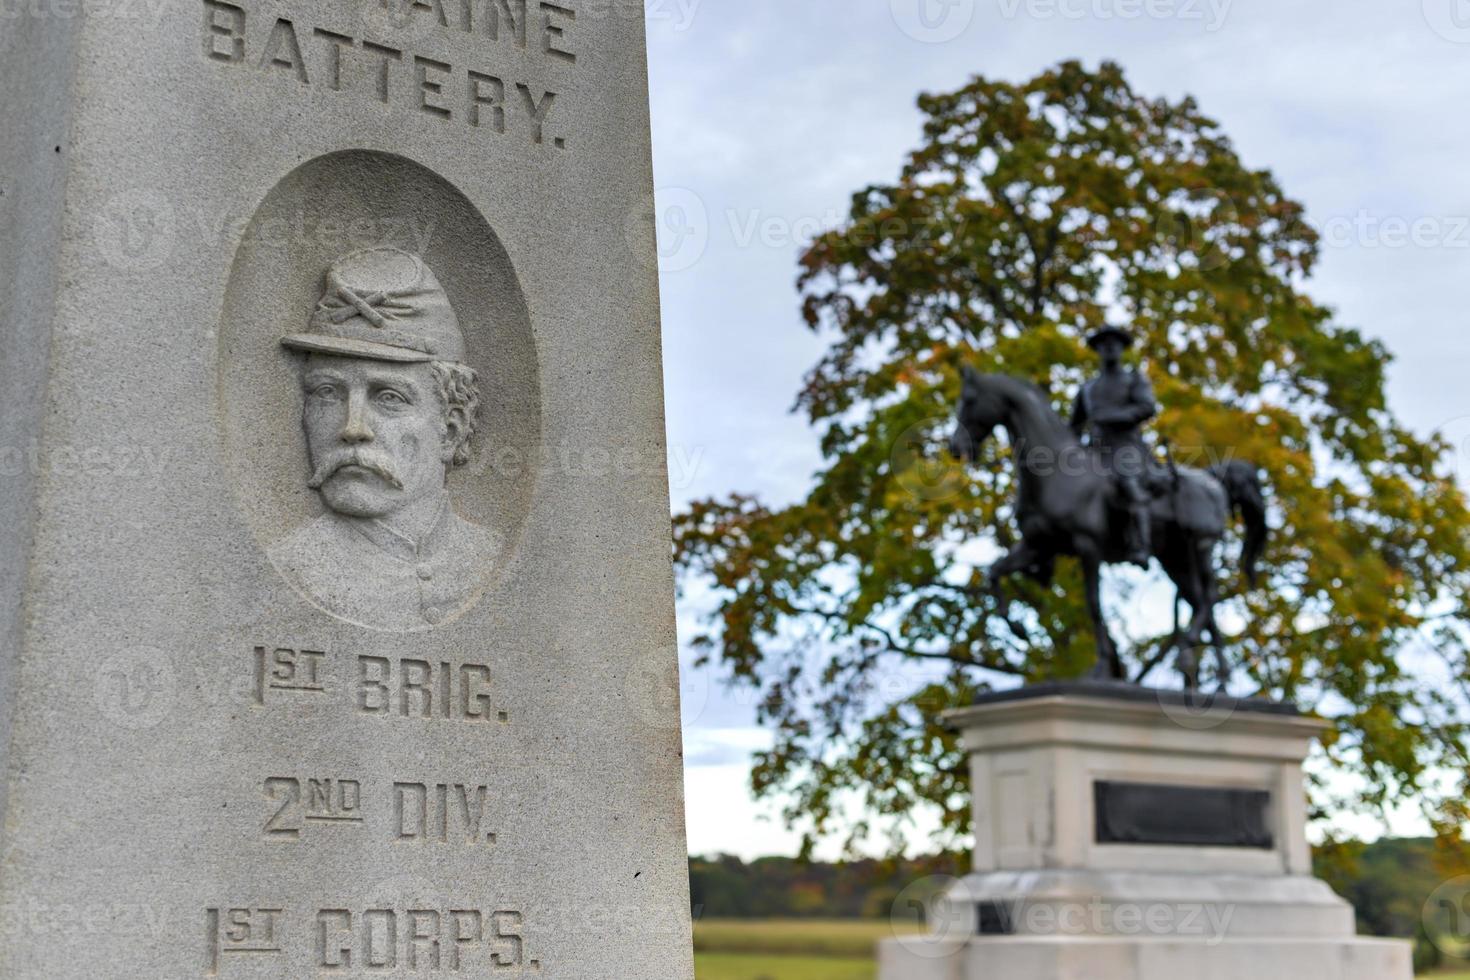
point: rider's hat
(1117, 333)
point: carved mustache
(369, 459)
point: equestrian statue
(1093, 490)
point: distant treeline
(1388, 883)
(726, 887)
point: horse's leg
(1108, 666)
(1175, 561)
(1188, 661)
(1188, 664)
(1211, 584)
(1018, 559)
(1192, 585)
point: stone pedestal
(307, 667)
(1127, 834)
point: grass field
(792, 937)
(787, 950)
(802, 950)
(755, 966)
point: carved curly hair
(459, 393)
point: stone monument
(1128, 834)
(335, 593)
(1122, 832)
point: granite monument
(333, 643)
(1122, 832)
(1129, 834)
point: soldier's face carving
(375, 433)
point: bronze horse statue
(1066, 505)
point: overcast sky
(768, 114)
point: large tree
(1030, 215)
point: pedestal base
(1055, 958)
(1082, 904)
(1127, 834)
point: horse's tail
(1242, 483)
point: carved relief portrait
(379, 401)
(388, 409)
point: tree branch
(902, 649)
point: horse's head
(981, 408)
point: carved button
(425, 572)
(433, 615)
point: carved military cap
(384, 304)
(1118, 333)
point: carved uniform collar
(395, 543)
